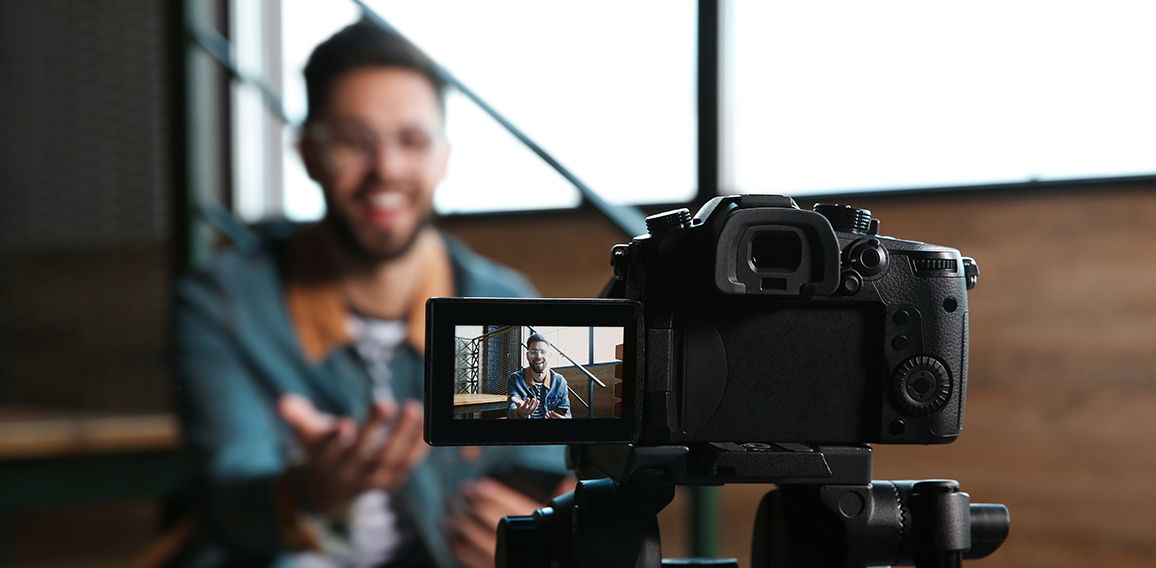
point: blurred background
(137, 136)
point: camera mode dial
(922, 385)
(847, 218)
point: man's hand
(473, 533)
(525, 408)
(344, 460)
(552, 414)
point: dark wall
(86, 201)
(85, 194)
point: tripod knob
(520, 545)
(989, 527)
(941, 519)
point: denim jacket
(557, 398)
(237, 351)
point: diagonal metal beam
(628, 219)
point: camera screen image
(531, 371)
(526, 372)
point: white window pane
(491, 170)
(839, 96)
(304, 24)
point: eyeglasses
(537, 352)
(350, 144)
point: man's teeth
(387, 201)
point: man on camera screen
(536, 391)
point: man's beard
(348, 238)
(538, 368)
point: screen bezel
(443, 315)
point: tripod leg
(650, 556)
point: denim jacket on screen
(557, 398)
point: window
(844, 96)
(606, 87)
(817, 98)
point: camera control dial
(922, 385)
(667, 220)
(847, 218)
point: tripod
(825, 512)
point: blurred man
(300, 362)
(537, 391)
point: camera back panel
(789, 372)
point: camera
(752, 321)
(754, 342)
(765, 322)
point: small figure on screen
(537, 391)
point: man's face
(536, 356)
(378, 150)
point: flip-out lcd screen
(502, 371)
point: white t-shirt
(378, 531)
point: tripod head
(823, 514)
(928, 524)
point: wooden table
(474, 404)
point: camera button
(902, 317)
(900, 343)
(850, 283)
(868, 257)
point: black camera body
(760, 343)
(752, 325)
(767, 323)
